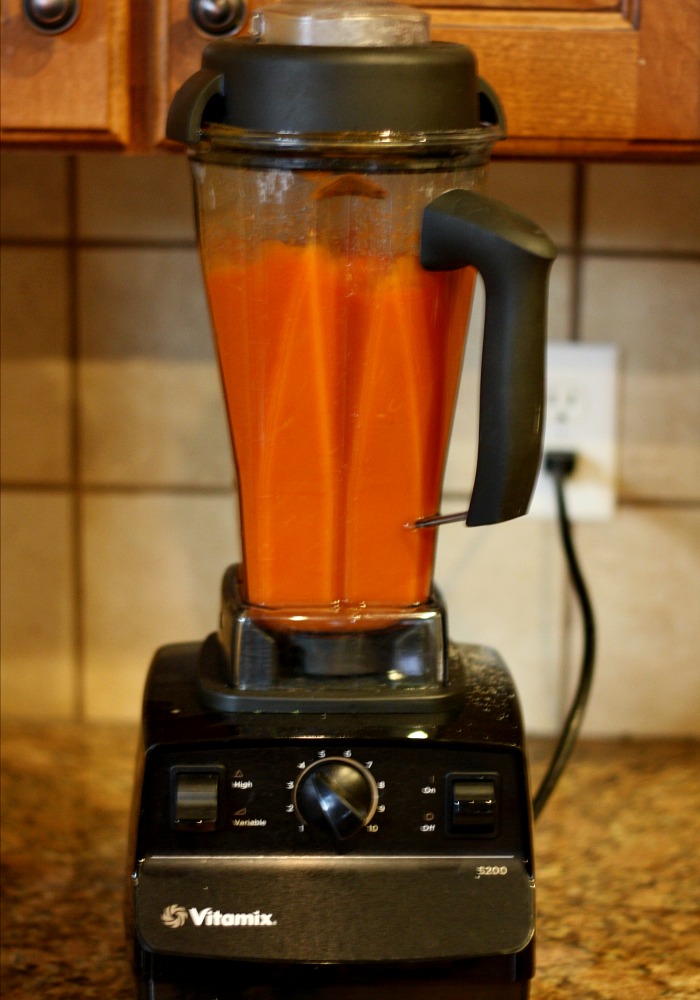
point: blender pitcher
(336, 158)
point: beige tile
(134, 197)
(644, 575)
(33, 195)
(559, 301)
(38, 667)
(650, 308)
(150, 422)
(153, 565)
(138, 302)
(542, 191)
(34, 301)
(503, 586)
(650, 206)
(36, 376)
(461, 459)
(152, 410)
(35, 427)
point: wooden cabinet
(595, 77)
(67, 87)
(577, 77)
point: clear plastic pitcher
(336, 160)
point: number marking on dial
(336, 795)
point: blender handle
(513, 256)
(188, 106)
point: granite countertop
(618, 868)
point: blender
(333, 796)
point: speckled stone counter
(618, 868)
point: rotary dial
(337, 796)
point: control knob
(337, 796)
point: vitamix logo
(174, 916)
(177, 916)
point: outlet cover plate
(580, 416)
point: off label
(429, 825)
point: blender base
(497, 978)
(233, 896)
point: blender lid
(341, 22)
(335, 66)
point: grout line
(566, 667)
(578, 211)
(120, 489)
(72, 249)
(100, 243)
(602, 253)
(198, 490)
(137, 244)
(574, 249)
(577, 224)
(679, 503)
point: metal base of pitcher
(397, 661)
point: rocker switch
(196, 799)
(472, 805)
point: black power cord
(560, 464)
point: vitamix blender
(334, 799)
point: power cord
(560, 465)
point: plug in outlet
(580, 416)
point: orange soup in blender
(340, 375)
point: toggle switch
(195, 799)
(472, 805)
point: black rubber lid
(307, 89)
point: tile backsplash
(118, 504)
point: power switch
(195, 799)
(472, 805)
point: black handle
(193, 102)
(514, 257)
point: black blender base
(233, 895)
(496, 978)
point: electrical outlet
(580, 416)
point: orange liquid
(340, 375)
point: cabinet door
(586, 76)
(66, 88)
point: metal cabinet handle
(50, 17)
(218, 17)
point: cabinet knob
(218, 17)
(51, 16)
